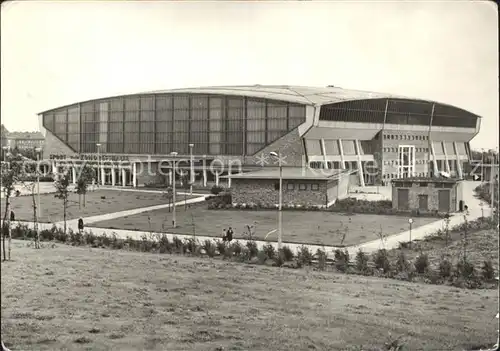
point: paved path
(389, 243)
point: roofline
(186, 91)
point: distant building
(427, 194)
(25, 140)
(301, 186)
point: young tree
(32, 187)
(186, 185)
(85, 177)
(62, 193)
(11, 172)
(169, 195)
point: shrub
(228, 252)
(279, 259)
(216, 190)
(252, 249)
(191, 246)
(464, 269)
(287, 253)
(445, 268)
(269, 250)
(236, 248)
(221, 246)
(341, 260)
(304, 256)
(261, 257)
(422, 263)
(381, 260)
(487, 270)
(178, 245)
(362, 262)
(209, 247)
(322, 256)
(402, 264)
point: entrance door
(423, 202)
(403, 199)
(406, 156)
(444, 200)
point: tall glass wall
(160, 124)
(399, 111)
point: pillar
(323, 150)
(73, 174)
(113, 176)
(103, 176)
(229, 177)
(341, 149)
(459, 163)
(124, 177)
(360, 165)
(204, 171)
(170, 177)
(134, 175)
(216, 178)
(446, 163)
(434, 161)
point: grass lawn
(300, 227)
(70, 298)
(52, 209)
(481, 245)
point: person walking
(229, 234)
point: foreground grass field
(309, 227)
(52, 208)
(79, 298)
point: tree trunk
(64, 214)
(5, 220)
(35, 222)
(84, 200)
(185, 201)
(79, 201)
(10, 232)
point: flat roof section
(293, 173)
(427, 180)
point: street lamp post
(280, 203)
(38, 151)
(98, 164)
(173, 190)
(191, 169)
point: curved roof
(290, 93)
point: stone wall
(433, 196)
(263, 191)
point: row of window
(405, 137)
(396, 162)
(425, 184)
(395, 175)
(394, 149)
(300, 186)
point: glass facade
(162, 123)
(398, 112)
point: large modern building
(378, 137)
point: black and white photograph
(249, 175)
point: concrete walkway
(142, 190)
(389, 243)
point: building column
(73, 174)
(54, 170)
(229, 176)
(103, 175)
(459, 163)
(360, 165)
(216, 178)
(434, 161)
(341, 149)
(113, 176)
(204, 171)
(170, 177)
(323, 151)
(134, 175)
(446, 163)
(124, 177)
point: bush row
(461, 273)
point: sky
(57, 53)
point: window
(277, 186)
(290, 186)
(302, 186)
(315, 186)
(423, 184)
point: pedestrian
(229, 235)
(224, 235)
